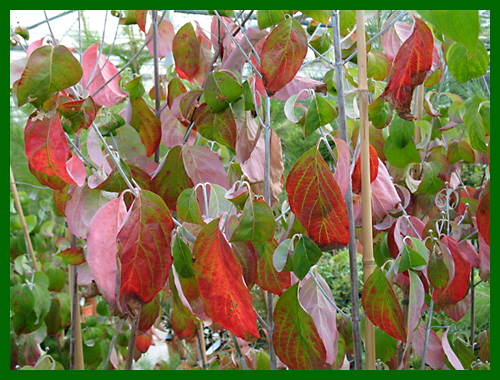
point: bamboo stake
(26, 233)
(201, 345)
(353, 265)
(76, 344)
(365, 180)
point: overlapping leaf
(143, 251)
(316, 200)
(186, 50)
(282, 54)
(203, 165)
(256, 223)
(146, 123)
(226, 298)
(483, 215)
(268, 278)
(220, 126)
(411, 65)
(166, 35)
(356, 173)
(79, 113)
(220, 89)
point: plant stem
(427, 333)
(75, 343)
(154, 15)
(112, 343)
(240, 354)
(131, 343)
(472, 310)
(366, 194)
(353, 267)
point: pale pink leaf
(452, 357)
(322, 311)
(94, 150)
(235, 60)
(109, 95)
(102, 247)
(173, 131)
(82, 206)
(166, 35)
(343, 169)
(36, 44)
(435, 352)
(394, 37)
(457, 311)
(468, 250)
(84, 277)
(416, 302)
(203, 165)
(76, 169)
(298, 84)
(484, 259)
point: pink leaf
(435, 352)
(452, 357)
(166, 35)
(343, 170)
(102, 248)
(203, 165)
(76, 169)
(111, 94)
(173, 131)
(235, 60)
(298, 84)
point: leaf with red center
(247, 256)
(102, 246)
(146, 124)
(315, 198)
(171, 179)
(97, 70)
(483, 215)
(220, 126)
(144, 251)
(226, 298)
(411, 65)
(268, 278)
(282, 54)
(203, 165)
(46, 146)
(356, 173)
(382, 306)
(79, 113)
(166, 35)
(457, 289)
(186, 50)
(49, 69)
(52, 181)
(73, 256)
(295, 338)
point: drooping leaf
(144, 251)
(49, 69)
(256, 223)
(227, 300)
(282, 54)
(416, 302)
(73, 256)
(319, 113)
(410, 259)
(236, 59)
(52, 181)
(166, 35)
(203, 165)
(356, 173)
(135, 87)
(182, 258)
(220, 89)
(305, 255)
(146, 123)
(188, 208)
(220, 126)
(411, 65)
(316, 200)
(476, 124)
(320, 308)
(432, 180)
(182, 320)
(400, 156)
(171, 179)
(102, 247)
(114, 182)
(46, 146)
(435, 352)
(247, 256)
(267, 18)
(268, 278)
(296, 339)
(149, 314)
(175, 88)
(465, 65)
(97, 70)
(79, 113)
(437, 271)
(460, 151)
(186, 50)
(378, 65)
(382, 306)
(483, 215)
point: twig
(154, 15)
(131, 343)
(240, 354)
(427, 333)
(112, 343)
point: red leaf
(102, 247)
(111, 94)
(51, 181)
(411, 65)
(382, 306)
(165, 38)
(295, 338)
(144, 251)
(76, 169)
(282, 54)
(149, 314)
(247, 256)
(79, 113)
(356, 174)
(483, 215)
(268, 278)
(226, 298)
(146, 123)
(143, 342)
(171, 178)
(186, 49)
(203, 165)
(316, 200)
(457, 289)
(140, 17)
(46, 147)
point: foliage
(215, 204)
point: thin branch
(112, 344)
(427, 333)
(50, 29)
(240, 354)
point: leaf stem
(427, 333)
(131, 343)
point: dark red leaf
(411, 65)
(46, 146)
(483, 215)
(268, 278)
(282, 54)
(144, 251)
(356, 173)
(226, 298)
(316, 200)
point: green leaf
(460, 25)
(400, 157)
(437, 271)
(220, 89)
(460, 151)
(295, 338)
(257, 222)
(378, 65)
(319, 113)
(402, 131)
(379, 113)
(410, 259)
(188, 208)
(382, 306)
(49, 69)
(385, 345)
(321, 43)
(186, 51)
(57, 278)
(21, 298)
(182, 258)
(145, 122)
(217, 126)
(465, 66)
(269, 18)
(135, 88)
(73, 256)
(305, 255)
(41, 304)
(431, 178)
(475, 126)
(320, 16)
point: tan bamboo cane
(365, 179)
(77, 362)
